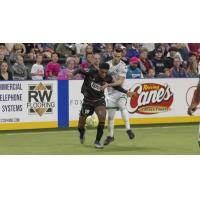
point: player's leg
(86, 110)
(81, 128)
(111, 106)
(199, 135)
(124, 114)
(101, 114)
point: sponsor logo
(40, 99)
(95, 86)
(190, 95)
(150, 98)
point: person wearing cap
(159, 62)
(133, 70)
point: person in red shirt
(52, 68)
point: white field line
(144, 128)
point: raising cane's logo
(150, 98)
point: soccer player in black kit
(95, 82)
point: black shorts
(88, 107)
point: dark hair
(54, 53)
(104, 66)
(89, 54)
(119, 50)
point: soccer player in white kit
(117, 100)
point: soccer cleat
(108, 140)
(98, 145)
(130, 133)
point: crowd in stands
(57, 61)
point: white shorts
(116, 101)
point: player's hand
(130, 94)
(103, 87)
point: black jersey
(91, 88)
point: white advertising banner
(155, 99)
(28, 101)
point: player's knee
(111, 115)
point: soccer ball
(92, 121)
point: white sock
(111, 128)
(111, 115)
(125, 117)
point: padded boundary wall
(53, 104)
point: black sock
(100, 129)
(81, 131)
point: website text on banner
(156, 101)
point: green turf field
(171, 140)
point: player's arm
(120, 89)
(118, 82)
(111, 83)
(83, 72)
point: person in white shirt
(117, 100)
(37, 70)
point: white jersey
(115, 71)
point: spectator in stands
(66, 71)
(52, 68)
(77, 60)
(184, 51)
(2, 58)
(21, 47)
(63, 50)
(5, 74)
(169, 61)
(96, 61)
(88, 49)
(3, 49)
(37, 70)
(151, 54)
(167, 73)
(80, 48)
(47, 49)
(148, 46)
(133, 70)
(193, 47)
(98, 47)
(107, 55)
(18, 49)
(9, 47)
(19, 70)
(158, 62)
(177, 71)
(133, 51)
(197, 54)
(175, 45)
(145, 63)
(192, 69)
(88, 62)
(151, 73)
